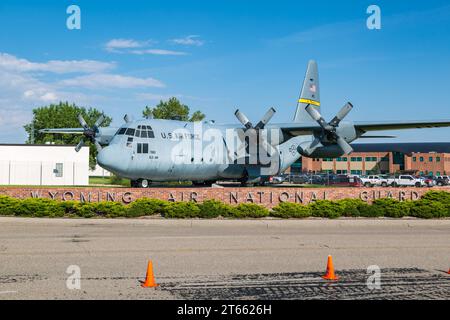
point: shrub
(392, 208)
(250, 210)
(427, 209)
(440, 196)
(7, 205)
(182, 210)
(70, 207)
(352, 207)
(326, 209)
(291, 210)
(214, 208)
(146, 207)
(103, 208)
(38, 208)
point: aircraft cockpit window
(144, 131)
(130, 132)
(121, 131)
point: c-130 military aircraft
(149, 150)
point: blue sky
(219, 55)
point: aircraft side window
(121, 131)
(143, 134)
(130, 132)
(138, 133)
(150, 133)
(139, 148)
(145, 148)
(129, 141)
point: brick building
(364, 163)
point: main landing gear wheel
(207, 183)
(140, 183)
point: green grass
(109, 181)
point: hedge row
(434, 204)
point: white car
(406, 181)
(374, 180)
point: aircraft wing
(396, 125)
(63, 130)
(296, 129)
(404, 147)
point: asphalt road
(223, 259)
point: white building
(99, 172)
(27, 164)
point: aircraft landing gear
(207, 183)
(140, 183)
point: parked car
(429, 181)
(374, 180)
(406, 181)
(345, 181)
(441, 181)
(276, 179)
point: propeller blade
(313, 146)
(341, 114)
(312, 111)
(345, 146)
(99, 121)
(79, 145)
(82, 122)
(265, 119)
(97, 146)
(243, 119)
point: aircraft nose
(109, 159)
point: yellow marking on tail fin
(316, 103)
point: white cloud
(94, 81)
(114, 45)
(160, 52)
(12, 63)
(191, 40)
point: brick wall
(268, 197)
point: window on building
(430, 159)
(438, 159)
(341, 171)
(372, 159)
(356, 159)
(385, 159)
(358, 172)
(438, 173)
(421, 159)
(58, 171)
(414, 159)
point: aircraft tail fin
(310, 93)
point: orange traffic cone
(149, 278)
(330, 270)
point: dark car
(441, 181)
